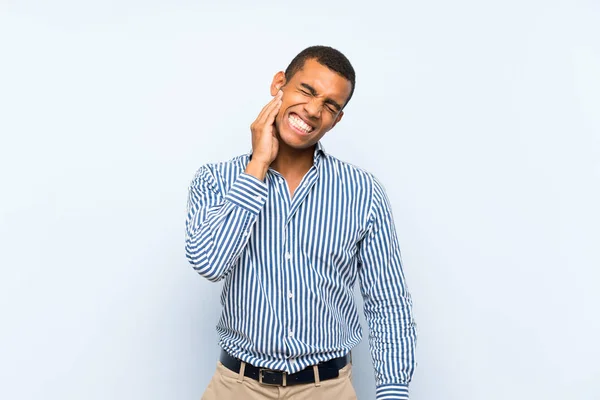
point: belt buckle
(260, 378)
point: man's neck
(293, 163)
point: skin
(315, 94)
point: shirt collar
(319, 151)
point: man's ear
(278, 82)
(338, 119)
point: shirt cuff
(392, 392)
(248, 192)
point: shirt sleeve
(218, 224)
(387, 302)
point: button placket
(288, 292)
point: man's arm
(218, 225)
(387, 302)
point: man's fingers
(269, 107)
(266, 111)
(273, 113)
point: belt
(327, 370)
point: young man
(291, 228)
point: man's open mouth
(297, 122)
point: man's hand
(264, 143)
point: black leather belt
(327, 370)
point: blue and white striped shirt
(290, 265)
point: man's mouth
(297, 122)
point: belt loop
(242, 370)
(317, 379)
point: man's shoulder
(221, 172)
(351, 169)
(226, 166)
(356, 176)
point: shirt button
(290, 294)
(292, 361)
(258, 198)
(291, 334)
(288, 256)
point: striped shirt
(289, 265)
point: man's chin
(294, 142)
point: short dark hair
(327, 56)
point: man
(290, 228)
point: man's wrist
(257, 168)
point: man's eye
(304, 92)
(331, 109)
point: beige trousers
(228, 385)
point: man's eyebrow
(313, 91)
(334, 104)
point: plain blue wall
(480, 118)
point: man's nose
(313, 108)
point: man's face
(311, 104)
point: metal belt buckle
(260, 378)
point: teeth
(298, 123)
